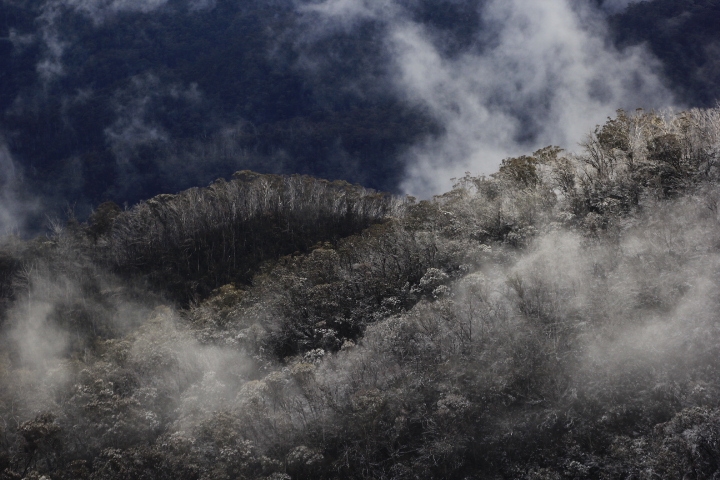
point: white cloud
(101, 10)
(133, 126)
(14, 208)
(50, 65)
(346, 13)
(55, 41)
(539, 73)
(197, 5)
(20, 41)
(615, 6)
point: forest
(557, 319)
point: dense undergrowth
(555, 320)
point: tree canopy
(557, 319)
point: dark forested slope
(558, 319)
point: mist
(568, 297)
(541, 315)
(15, 203)
(104, 99)
(615, 6)
(534, 74)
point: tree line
(557, 319)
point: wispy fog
(100, 11)
(134, 106)
(398, 95)
(14, 205)
(55, 41)
(536, 73)
(615, 6)
(572, 298)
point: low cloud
(50, 65)
(14, 205)
(55, 40)
(134, 125)
(537, 73)
(346, 14)
(616, 6)
(100, 11)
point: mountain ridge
(557, 319)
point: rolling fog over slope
(244, 287)
(557, 319)
(122, 100)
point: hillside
(557, 319)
